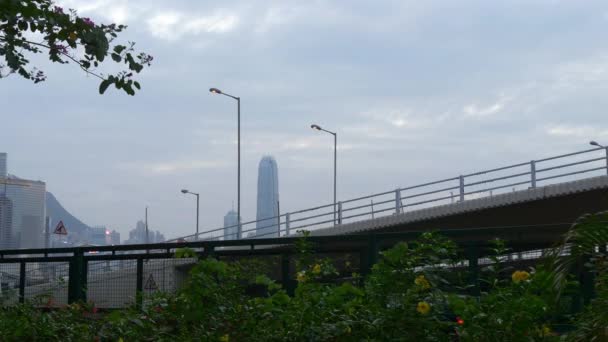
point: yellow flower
(225, 338)
(423, 308)
(519, 276)
(301, 277)
(422, 282)
(72, 36)
(546, 331)
(316, 269)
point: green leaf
(104, 85)
(116, 57)
(137, 85)
(119, 48)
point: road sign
(60, 229)
(150, 283)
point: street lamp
(184, 191)
(595, 143)
(318, 128)
(238, 182)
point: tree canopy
(39, 26)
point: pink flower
(88, 22)
(61, 48)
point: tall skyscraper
(6, 223)
(268, 198)
(231, 225)
(3, 167)
(29, 211)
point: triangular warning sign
(60, 229)
(150, 283)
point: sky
(417, 91)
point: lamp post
(595, 143)
(184, 191)
(238, 182)
(318, 128)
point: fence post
(339, 212)
(286, 280)
(398, 201)
(372, 253)
(22, 281)
(473, 256)
(287, 224)
(533, 173)
(461, 188)
(77, 278)
(139, 283)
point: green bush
(415, 292)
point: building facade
(99, 236)
(231, 225)
(29, 211)
(268, 199)
(138, 235)
(6, 223)
(3, 166)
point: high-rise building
(3, 167)
(231, 225)
(99, 236)
(138, 235)
(6, 223)
(114, 238)
(29, 211)
(28, 199)
(268, 199)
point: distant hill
(57, 212)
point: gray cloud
(416, 90)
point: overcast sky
(417, 90)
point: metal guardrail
(527, 175)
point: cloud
(174, 25)
(586, 132)
(172, 167)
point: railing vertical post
(398, 201)
(461, 188)
(607, 160)
(339, 212)
(139, 283)
(533, 174)
(77, 277)
(22, 281)
(287, 224)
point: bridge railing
(487, 183)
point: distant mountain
(57, 212)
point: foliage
(37, 26)
(414, 293)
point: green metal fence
(118, 276)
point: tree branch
(22, 41)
